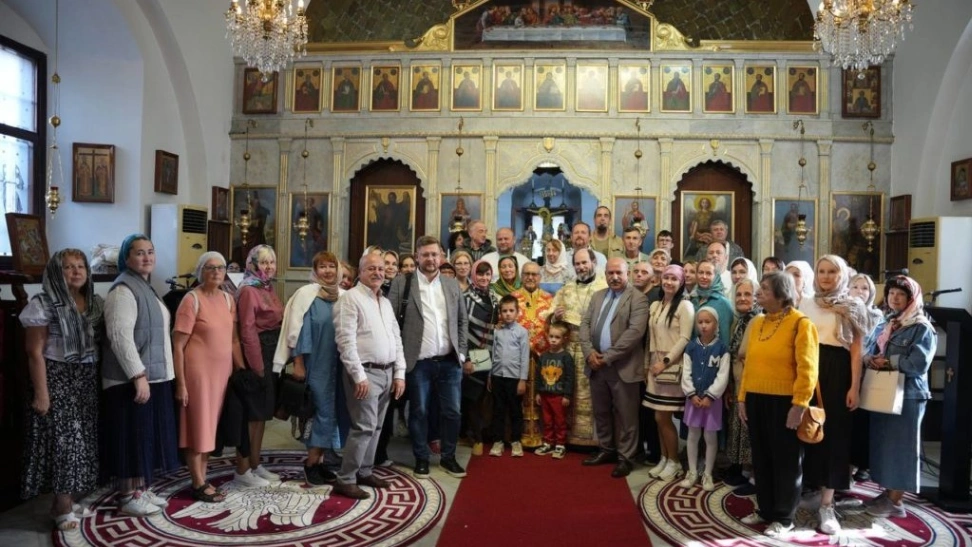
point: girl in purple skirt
(705, 374)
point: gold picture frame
(760, 88)
(634, 87)
(803, 89)
(848, 212)
(263, 221)
(591, 87)
(386, 88)
(319, 228)
(786, 212)
(470, 208)
(426, 87)
(307, 88)
(93, 173)
(550, 87)
(28, 243)
(696, 217)
(676, 87)
(718, 88)
(508, 87)
(467, 87)
(390, 221)
(346, 89)
(628, 207)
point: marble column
(823, 202)
(489, 200)
(764, 227)
(340, 195)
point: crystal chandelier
(861, 33)
(268, 36)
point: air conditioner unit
(940, 258)
(179, 235)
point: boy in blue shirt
(507, 379)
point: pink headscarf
(912, 314)
(677, 271)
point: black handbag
(293, 398)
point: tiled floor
(29, 524)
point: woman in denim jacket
(906, 342)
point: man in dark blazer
(434, 339)
(612, 337)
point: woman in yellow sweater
(781, 353)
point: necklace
(776, 328)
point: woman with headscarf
(509, 277)
(205, 349)
(906, 342)
(863, 288)
(738, 448)
(64, 325)
(802, 274)
(482, 306)
(659, 260)
(741, 268)
(136, 373)
(307, 336)
(841, 322)
(670, 323)
(260, 316)
(710, 292)
(556, 266)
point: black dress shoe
(601, 458)
(623, 469)
(421, 469)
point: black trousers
(647, 428)
(507, 403)
(827, 463)
(777, 457)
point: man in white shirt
(505, 241)
(580, 238)
(433, 318)
(370, 344)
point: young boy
(507, 379)
(555, 385)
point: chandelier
(268, 36)
(861, 33)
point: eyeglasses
(210, 269)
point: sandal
(199, 494)
(67, 522)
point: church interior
(398, 119)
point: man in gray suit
(434, 338)
(612, 337)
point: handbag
(882, 391)
(672, 373)
(293, 398)
(481, 359)
(811, 428)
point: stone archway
(393, 176)
(734, 193)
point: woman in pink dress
(205, 349)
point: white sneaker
(497, 449)
(828, 520)
(672, 470)
(266, 474)
(154, 499)
(778, 530)
(689, 480)
(517, 450)
(655, 471)
(559, 452)
(707, 483)
(752, 519)
(810, 500)
(250, 480)
(138, 506)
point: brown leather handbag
(811, 428)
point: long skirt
(738, 449)
(896, 447)
(827, 463)
(580, 424)
(139, 440)
(61, 449)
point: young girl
(704, 378)
(555, 385)
(690, 266)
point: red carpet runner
(536, 500)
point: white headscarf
(806, 273)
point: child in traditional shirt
(554, 385)
(507, 379)
(705, 374)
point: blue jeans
(446, 376)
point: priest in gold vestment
(533, 301)
(569, 305)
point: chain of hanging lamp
(457, 224)
(870, 229)
(243, 222)
(302, 225)
(801, 230)
(639, 222)
(55, 171)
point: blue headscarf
(126, 247)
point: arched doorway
(730, 198)
(387, 208)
